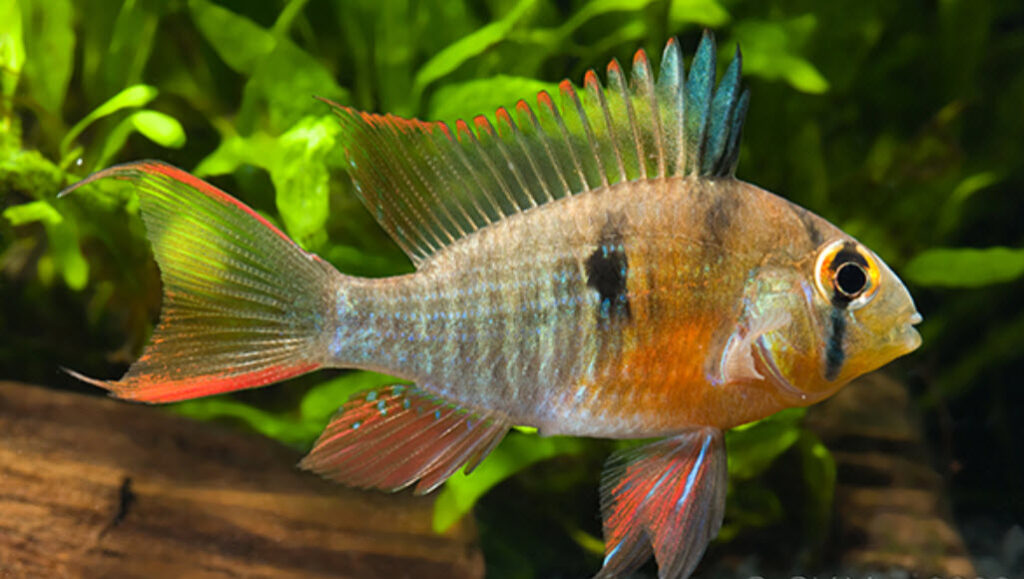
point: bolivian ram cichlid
(589, 268)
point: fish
(588, 267)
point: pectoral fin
(737, 362)
(668, 498)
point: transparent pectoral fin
(737, 362)
(665, 498)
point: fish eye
(847, 275)
(851, 279)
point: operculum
(772, 340)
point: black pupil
(851, 279)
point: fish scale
(590, 268)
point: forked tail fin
(243, 305)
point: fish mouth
(905, 336)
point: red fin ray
(395, 436)
(668, 498)
(243, 305)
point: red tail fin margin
(243, 305)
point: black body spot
(834, 353)
(807, 220)
(607, 271)
(719, 218)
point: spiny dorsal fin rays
(700, 84)
(670, 79)
(430, 186)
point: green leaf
(770, 50)
(279, 428)
(283, 79)
(12, 56)
(280, 92)
(36, 211)
(158, 127)
(703, 12)
(64, 255)
(162, 129)
(131, 42)
(299, 164)
(302, 180)
(749, 505)
(753, 447)
(67, 254)
(258, 149)
(952, 209)
(820, 477)
(484, 96)
(134, 96)
(514, 454)
(965, 268)
(240, 42)
(49, 46)
(597, 8)
(470, 46)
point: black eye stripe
(848, 254)
(835, 355)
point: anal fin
(392, 437)
(668, 498)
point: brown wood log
(93, 487)
(891, 505)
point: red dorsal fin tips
(614, 68)
(544, 100)
(482, 123)
(640, 59)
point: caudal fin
(243, 305)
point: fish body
(589, 268)
(606, 314)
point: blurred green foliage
(900, 122)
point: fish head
(834, 315)
(820, 316)
(865, 314)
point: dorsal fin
(429, 186)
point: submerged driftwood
(892, 509)
(92, 487)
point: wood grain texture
(92, 487)
(892, 507)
